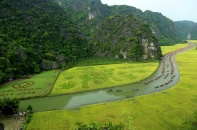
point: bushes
(28, 116)
(191, 124)
(9, 106)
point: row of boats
(165, 69)
(119, 90)
(165, 66)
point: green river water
(163, 78)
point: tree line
(35, 36)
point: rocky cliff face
(125, 36)
(89, 14)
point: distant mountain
(125, 36)
(186, 30)
(162, 27)
(90, 13)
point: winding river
(164, 77)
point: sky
(175, 10)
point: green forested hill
(36, 35)
(194, 32)
(125, 36)
(183, 28)
(162, 27)
(90, 13)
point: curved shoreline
(167, 68)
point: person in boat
(118, 90)
(135, 89)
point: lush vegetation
(85, 13)
(8, 106)
(40, 35)
(17, 121)
(162, 27)
(94, 60)
(28, 117)
(35, 86)
(169, 109)
(89, 14)
(190, 124)
(99, 61)
(35, 36)
(101, 76)
(130, 39)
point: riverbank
(164, 110)
(49, 77)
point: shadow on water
(164, 77)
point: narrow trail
(166, 76)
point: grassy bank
(99, 61)
(37, 85)
(101, 76)
(163, 110)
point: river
(164, 77)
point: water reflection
(164, 77)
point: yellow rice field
(166, 110)
(86, 78)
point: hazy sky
(174, 9)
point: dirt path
(12, 122)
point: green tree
(190, 124)
(136, 52)
(1, 76)
(36, 68)
(39, 32)
(29, 108)
(9, 106)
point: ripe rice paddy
(163, 110)
(193, 41)
(166, 49)
(101, 76)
